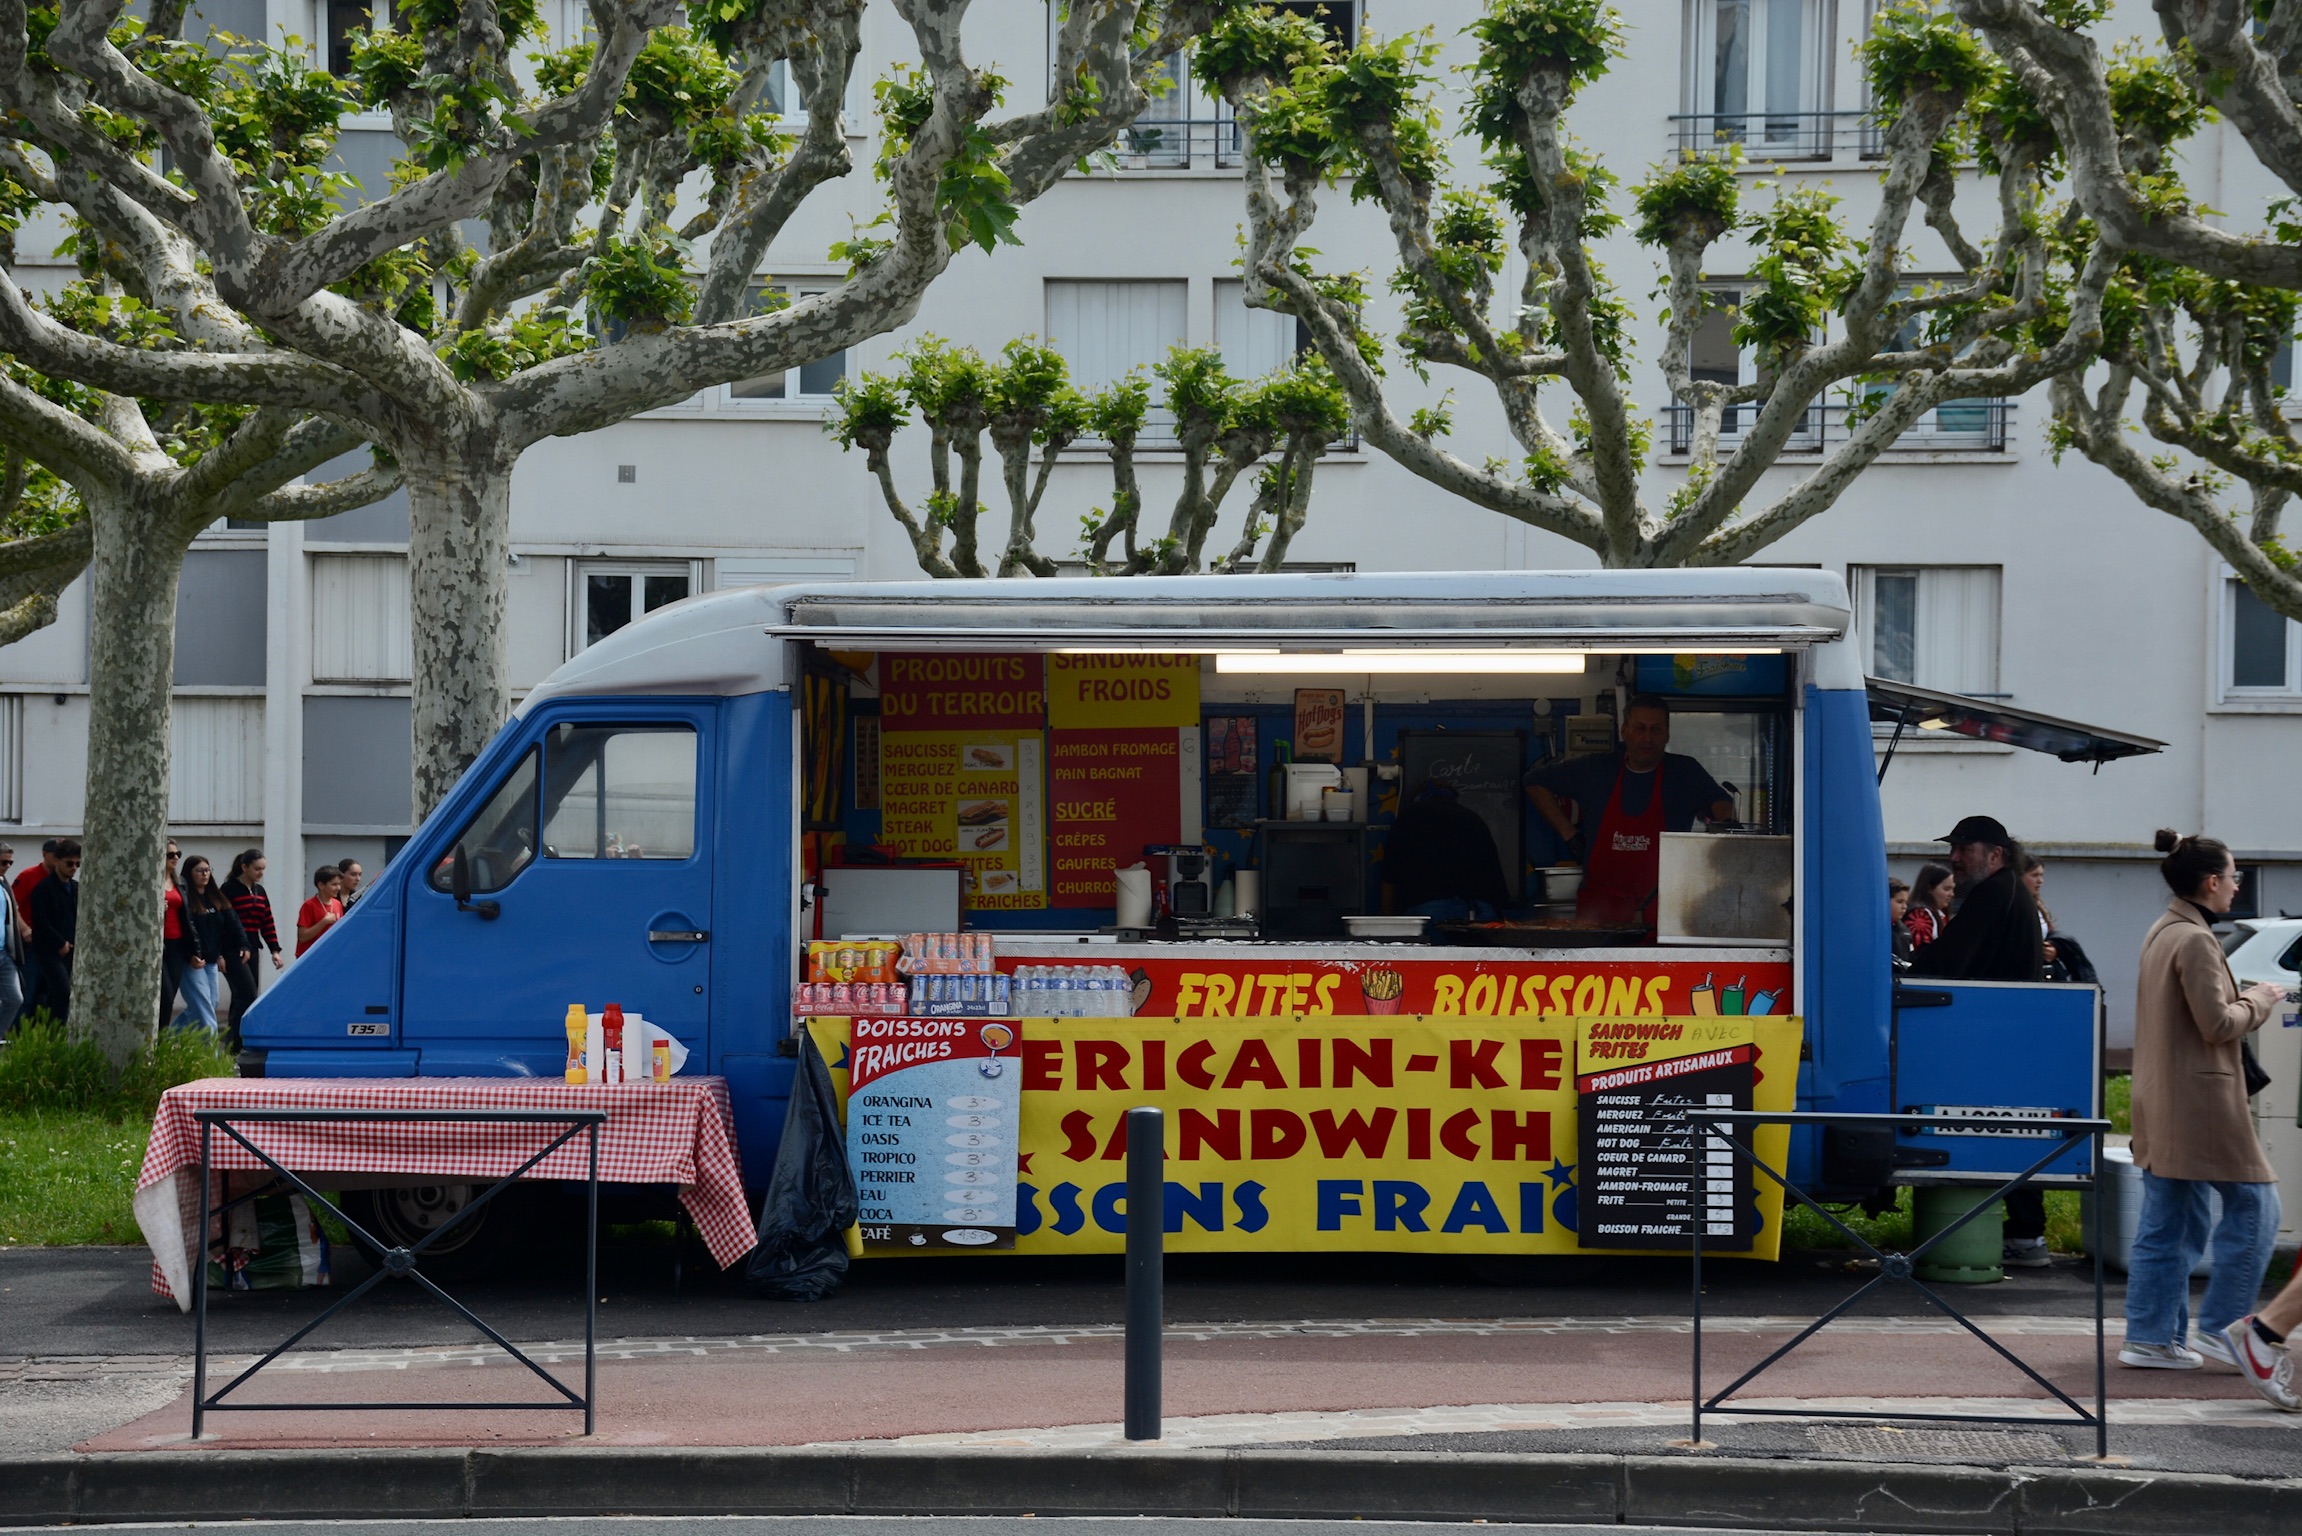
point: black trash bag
(810, 1204)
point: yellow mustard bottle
(577, 1022)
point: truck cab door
(2024, 1051)
(587, 879)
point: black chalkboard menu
(1649, 1177)
(1484, 767)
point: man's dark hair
(1646, 701)
(67, 847)
(48, 844)
(326, 874)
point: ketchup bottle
(611, 1042)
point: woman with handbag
(2193, 1132)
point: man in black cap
(1994, 934)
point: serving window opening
(1519, 799)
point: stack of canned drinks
(966, 996)
(847, 999)
(946, 954)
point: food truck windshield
(1498, 798)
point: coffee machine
(1190, 878)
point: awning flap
(1929, 710)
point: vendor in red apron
(1623, 803)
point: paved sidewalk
(1225, 1384)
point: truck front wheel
(403, 1217)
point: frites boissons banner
(1328, 1133)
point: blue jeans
(2167, 1243)
(200, 1007)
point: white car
(2270, 949)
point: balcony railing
(1181, 144)
(1778, 135)
(1955, 426)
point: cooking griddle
(1540, 935)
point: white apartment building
(1979, 564)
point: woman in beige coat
(2192, 1131)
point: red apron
(1624, 864)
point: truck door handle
(679, 935)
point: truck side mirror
(460, 886)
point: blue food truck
(672, 816)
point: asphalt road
(98, 1301)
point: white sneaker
(2216, 1347)
(2159, 1357)
(2269, 1368)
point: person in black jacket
(1994, 935)
(1440, 859)
(55, 924)
(212, 937)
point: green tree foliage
(1024, 403)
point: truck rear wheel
(404, 1216)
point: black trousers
(2025, 1214)
(56, 986)
(240, 975)
(171, 980)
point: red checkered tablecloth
(681, 1132)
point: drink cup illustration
(1702, 1001)
(1731, 1000)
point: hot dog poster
(962, 767)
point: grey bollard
(1146, 1260)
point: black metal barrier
(400, 1261)
(1718, 1126)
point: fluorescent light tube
(1362, 663)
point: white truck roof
(733, 642)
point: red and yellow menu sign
(1116, 780)
(961, 765)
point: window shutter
(215, 760)
(361, 620)
(1105, 330)
(1253, 342)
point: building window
(1107, 330)
(609, 596)
(808, 383)
(1185, 127)
(220, 621)
(619, 792)
(1758, 74)
(342, 22)
(216, 761)
(2262, 648)
(1254, 342)
(1978, 425)
(361, 627)
(1934, 626)
(1715, 357)
(359, 764)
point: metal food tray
(1539, 936)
